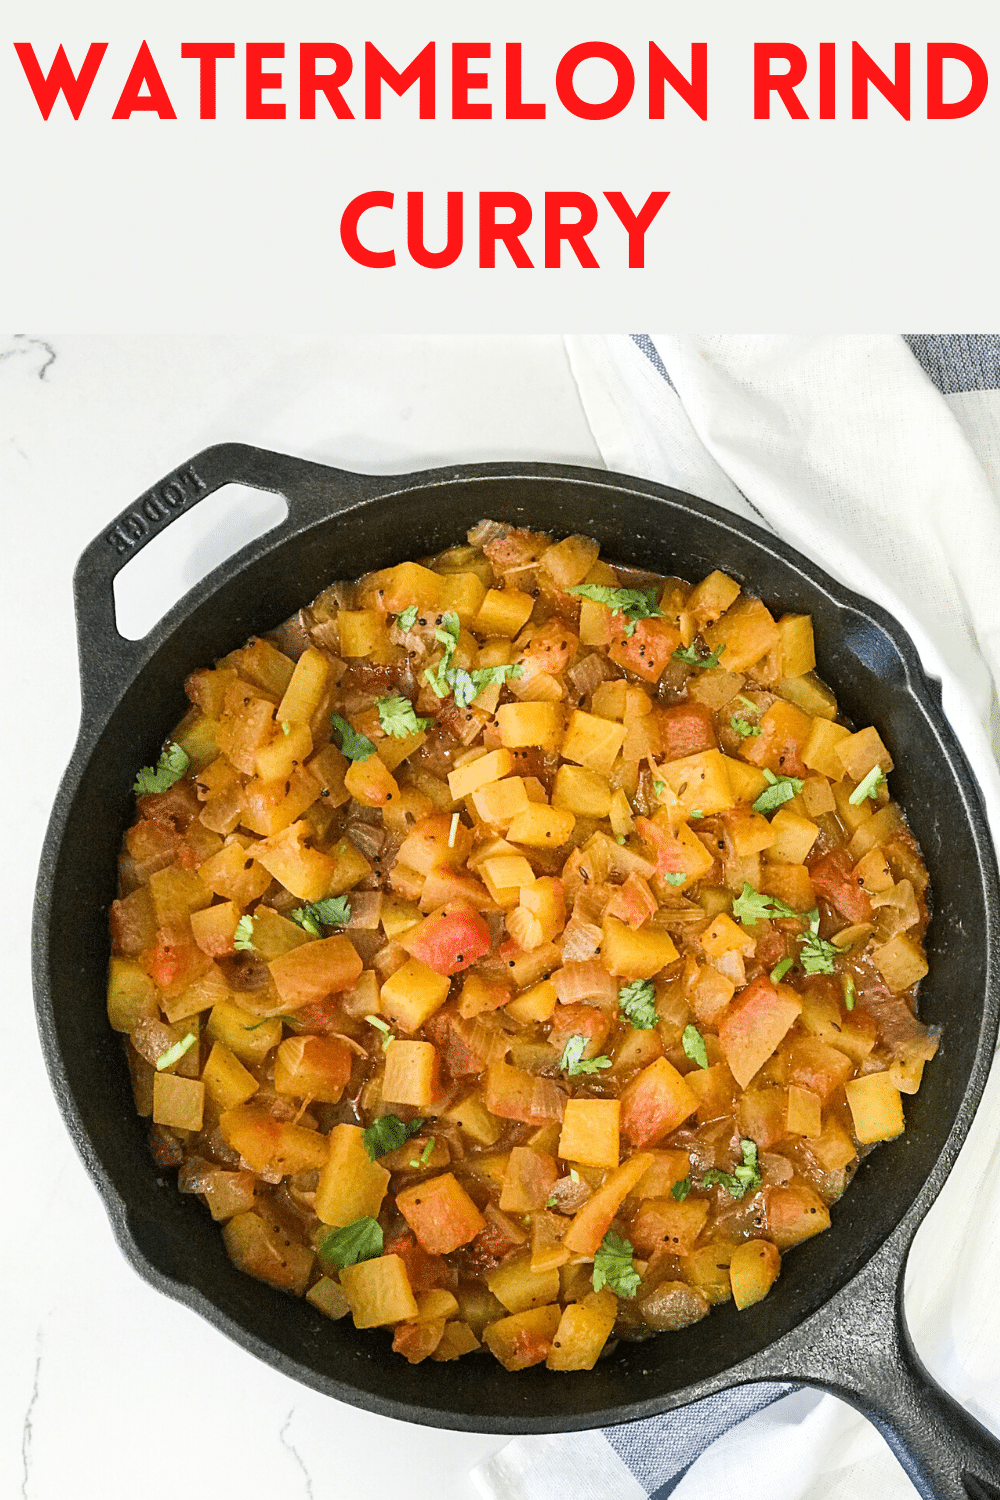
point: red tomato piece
(669, 860)
(580, 1020)
(449, 939)
(833, 878)
(647, 651)
(423, 1270)
(756, 1022)
(686, 728)
(174, 961)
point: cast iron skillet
(834, 1318)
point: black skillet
(834, 1318)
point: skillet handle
(108, 660)
(864, 1355)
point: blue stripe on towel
(657, 1452)
(958, 361)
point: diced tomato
(794, 1214)
(655, 1102)
(632, 902)
(494, 1240)
(514, 1094)
(757, 1021)
(449, 939)
(647, 651)
(833, 878)
(686, 728)
(458, 1059)
(772, 947)
(814, 1065)
(669, 860)
(174, 961)
(550, 648)
(173, 808)
(415, 1341)
(580, 1020)
(423, 1269)
(320, 1015)
(515, 550)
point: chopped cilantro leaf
(359, 1241)
(448, 632)
(744, 728)
(408, 618)
(681, 1189)
(634, 604)
(743, 1179)
(817, 956)
(749, 1150)
(780, 970)
(613, 1266)
(573, 1060)
(334, 911)
(397, 717)
(694, 1046)
(355, 746)
(170, 767)
(675, 877)
(692, 657)
(696, 812)
(286, 727)
(439, 678)
(750, 907)
(659, 787)
(637, 1003)
(463, 686)
(850, 993)
(551, 1202)
(388, 1133)
(243, 936)
(467, 686)
(867, 787)
(436, 679)
(176, 1052)
(778, 790)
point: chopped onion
(585, 981)
(487, 531)
(580, 940)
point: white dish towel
(878, 457)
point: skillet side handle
(864, 1355)
(107, 658)
(941, 1445)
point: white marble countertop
(103, 1382)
